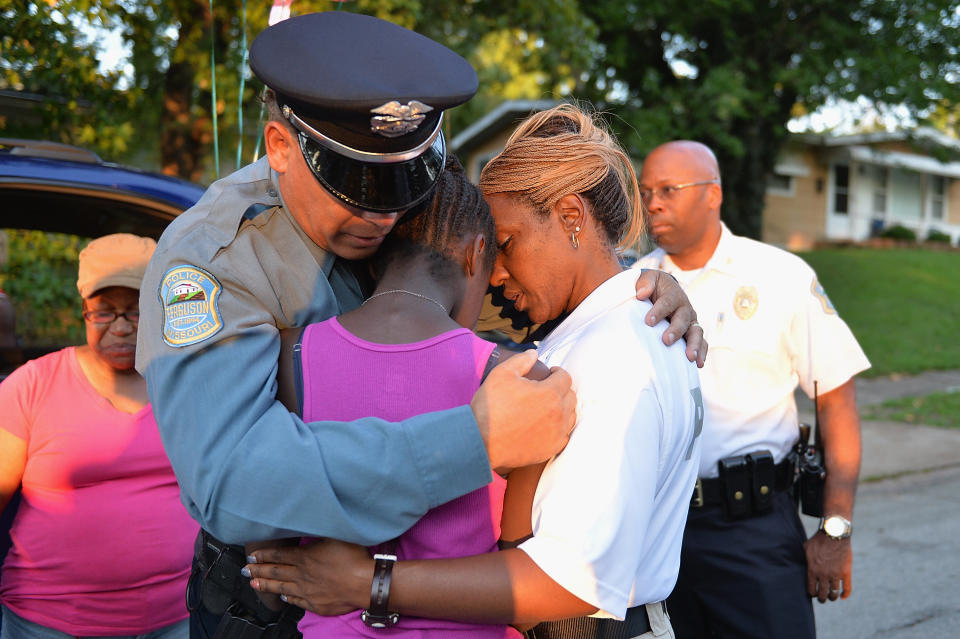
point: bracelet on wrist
(378, 615)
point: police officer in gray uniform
(354, 140)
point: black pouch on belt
(226, 593)
(213, 588)
(735, 478)
(764, 480)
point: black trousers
(744, 578)
(203, 623)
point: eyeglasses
(667, 191)
(108, 317)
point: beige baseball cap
(114, 260)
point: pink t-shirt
(101, 542)
(346, 378)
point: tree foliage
(40, 276)
(730, 73)
(44, 53)
(164, 116)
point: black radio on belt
(812, 473)
(812, 477)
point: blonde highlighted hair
(566, 150)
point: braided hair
(565, 150)
(438, 226)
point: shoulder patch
(189, 297)
(817, 289)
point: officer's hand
(327, 577)
(670, 301)
(523, 422)
(829, 567)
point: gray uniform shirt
(227, 275)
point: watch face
(835, 526)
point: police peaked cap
(367, 98)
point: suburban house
(851, 187)
(822, 188)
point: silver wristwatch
(836, 527)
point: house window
(906, 196)
(841, 188)
(880, 181)
(938, 190)
(780, 184)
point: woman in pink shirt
(101, 542)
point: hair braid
(439, 226)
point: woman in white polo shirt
(603, 531)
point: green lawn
(936, 409)
(902, 304)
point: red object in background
(279, 12)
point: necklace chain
(403, 290)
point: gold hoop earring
(573, 238)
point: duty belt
(635, 623)
(714, 491)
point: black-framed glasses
(108, 317)
(667, 191)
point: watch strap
(378, 614)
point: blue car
(47, 186)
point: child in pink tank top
(409, 350)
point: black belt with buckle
(746, 483)
(635, 623)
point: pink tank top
(347, 378)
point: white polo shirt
(769, 325)
(609, 511)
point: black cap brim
(378, 187)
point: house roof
(940, 149)
(940, 146)
(909, 161)
(494, 121)
(924, 136)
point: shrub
(40, 276)
(899, 232)
(936, 235)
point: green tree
(731, 73)
(44, 54)
(162, 114)
(40, 276)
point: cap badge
(395, 119)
